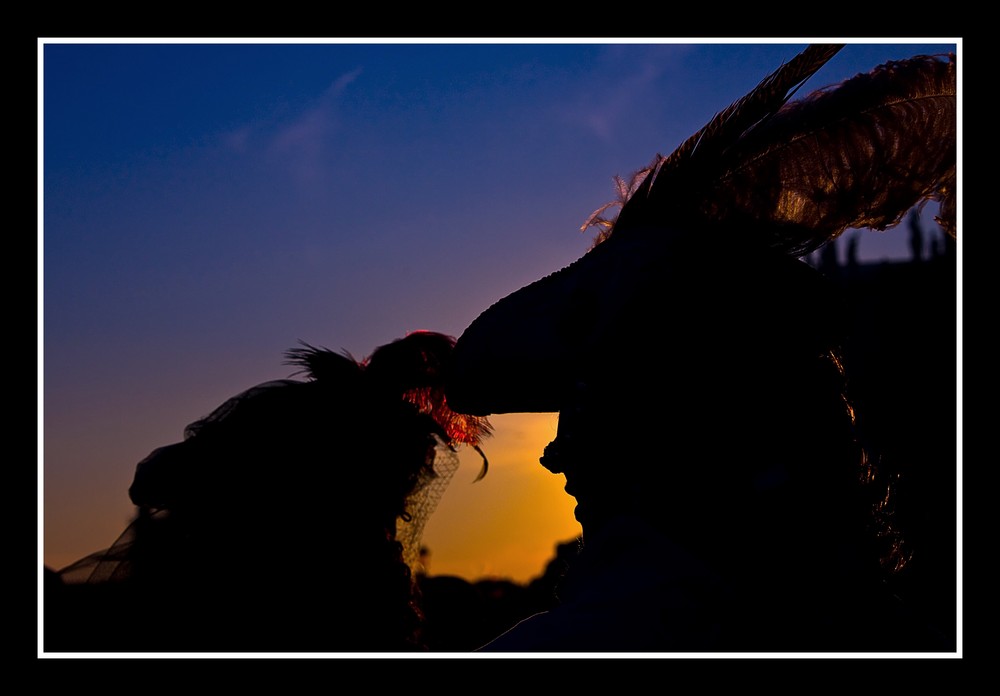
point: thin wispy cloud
(606, 114)
(238, 140)
(300, 143)
(342, 82)
(304, 134)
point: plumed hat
(765, 182)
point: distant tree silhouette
(462, 615)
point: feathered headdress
(765, 173)
(798, 173)
(412, 369)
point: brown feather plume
(798, 173)
(697, 158)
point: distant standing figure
(852, 251)
(916, 238)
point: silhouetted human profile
(283, 521)
(725, 500)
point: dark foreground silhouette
(283, 521)
(727, 500)
(726, 496)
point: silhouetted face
(671, 366)
(569, 454)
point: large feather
(703, 151)
(798, 173)
(732, 124)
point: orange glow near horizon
(508, 524)
(505, 526)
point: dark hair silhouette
(694, 362)
(284, 520)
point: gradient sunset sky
(206, 204)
